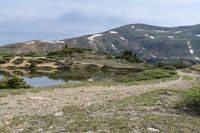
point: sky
(23, 20)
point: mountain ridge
(151, 43)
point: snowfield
(140, 30)
(198, 35)
(122, 38)
(113, 32)
(161, 31)
(94, 36)
(197, 58)
(60, 41)
(113, 46)
(151, 37)
(190, 47)
(177, 32)
(47, 41)
(171, 37)
(30, 42)
(154, 56)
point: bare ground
(50, 102)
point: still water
(43, 78)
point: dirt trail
(50, 102)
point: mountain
(151, 43)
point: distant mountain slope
(149, 42)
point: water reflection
(55, 77)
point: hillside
(151, 43)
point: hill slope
(149, 42)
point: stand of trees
(129, 56)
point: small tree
(129, 56)
(13, 83)
(32, 65)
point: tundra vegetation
(131, 96)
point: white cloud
(78, 17)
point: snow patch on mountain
(132, 27)
(32, 42)
(113, 32)
(177, 32)
(154, 56)
(91, 38)
(197, 58)
(53, 42)
(113, 46)
(151, 37)
(161, 31)
(47, 41)
(60, 41)
(171, 37)
(122, 38)
(140, 30)
(198, 35)
(191, 51)
(190, 47)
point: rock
(38, 98)
(51, 127)
(62, 131)
(135, 131)
(21, 129)
(59, 114)
(158, 103)
(166, 93)
(90, 80)
(89, 132)
(153, 130)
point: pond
(43, 78)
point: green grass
(192, 99)
(186, 77)
(196, 67)
(148, 75)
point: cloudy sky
(23, 20)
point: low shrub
(3, 61)
(169, 67)
(67, 51)
(13, 83)
(146, 75)
(192, 98)
(129, 56)
(18, 61)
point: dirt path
(50, 102)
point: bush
(32, 65)
(192, 98)
(129, 56)
(169, 67)
(67, 51)
(13, 83)
(18, 61)
(3, 61)
(146, 75)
